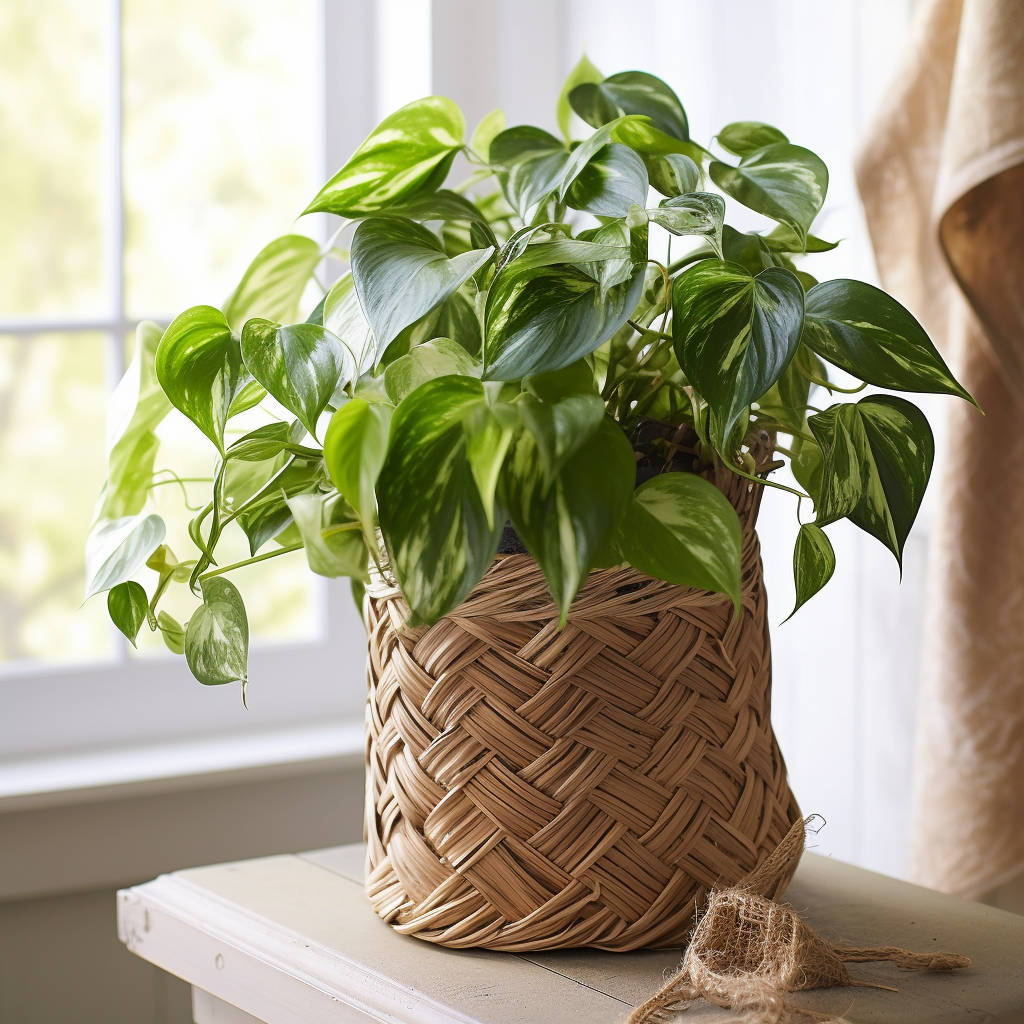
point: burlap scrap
(748, 951)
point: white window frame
(66, 710)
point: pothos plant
(509, 348)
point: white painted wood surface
(292, 940)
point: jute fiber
(536, 788)
(747, 952)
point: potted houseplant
(531, 416)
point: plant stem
(763, 480)
(252, 561)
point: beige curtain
(942, 178)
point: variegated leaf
(814, 562)
(217, 635)
(613, 181)
(408, 152)
(681, 528)
(630, 92)
(866, 332)
(784, 182)
(439, 537)
(273, 284)
(437, 358)
(734, 334)
(117, 548)
(401, 273)
(877, 458)
(529, 163)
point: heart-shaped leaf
(529, 162)
(267, 442)
(136, 408)
(128, 605)
(272, 286)
(217, 635)
(546, 318)
(784, 182)
(681, 528)
(301, 365)
(878, 456)
(673, 174)
(117, 548)
(814, 562)
(199, 366)
(355, 446)
(630, 92)
(434, 522)
(698, 213)
(408, 152)
(613, 181)
(401, 272)
(583, 72)
(866, 332)
(743, 137)
(566, 524)
(437, 358)
(330, 535)
(734, 334)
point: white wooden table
(291, 940)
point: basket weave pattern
(531, 788)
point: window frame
(51, 709)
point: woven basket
(530, 788)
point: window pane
(52, 391)
(221, 141)
(52, 97)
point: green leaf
(673, 174)
(529, 163)
(743, 137)
(433, 519)
(408, 152)
(117, 548)
(698, 213)
(343, 317)
(650, 142)
(734, 334)
(807, 466)
(583, 72)
(559, 428)
(401, 272)
(443, 205)
(571, 250)
(814, 561)
(784, 239)
(631, 92)
(546, 318)
(784, 182)
(613, 181)
(748, 250)
(217, 635)
(301, 365)
(172, 631)
(272, 286)
(490, 125)
(866, 332)
(489, 433)
(136, 408)
(681, 528)
(248, 398)
(878, 456)
(438, 358)
(330, 535)
(566, 524)
(269, 514)
(354, 450)
(575, 379)
(127, 604)
(199, 366)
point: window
(150, 150)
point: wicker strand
(536, 788)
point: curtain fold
(942, 179)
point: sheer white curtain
(846, 665)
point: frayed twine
(747, 952)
